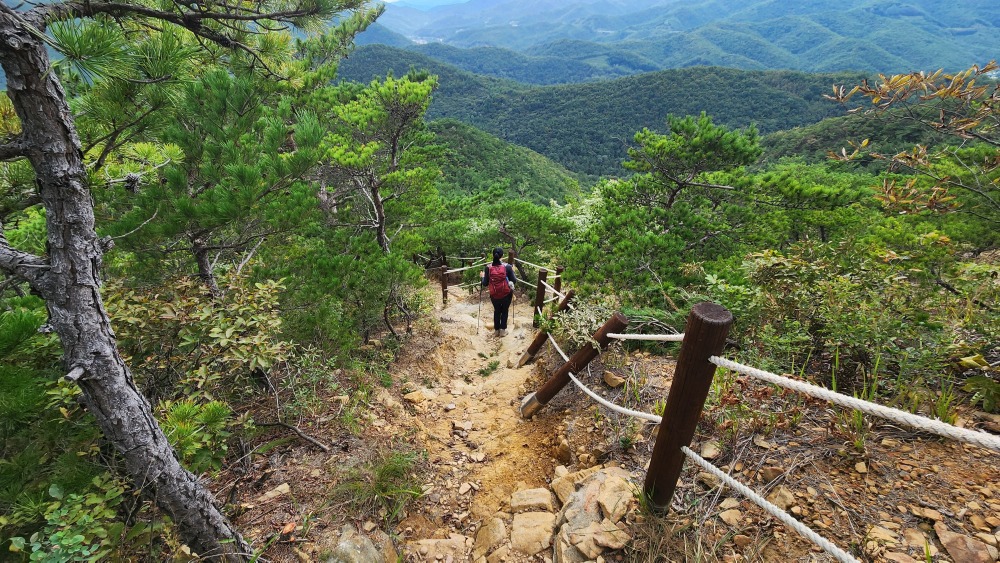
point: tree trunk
(205, 270)
(380, 235)
(70, 281)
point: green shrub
(197, 432)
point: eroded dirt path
(467, 397)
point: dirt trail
(467, 401)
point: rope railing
(456, 270)
(465, 257)
(470, 284)
(902, 417)
(784, 517)
(555, 345)
(654, 337)
(676, 434)
(742, 489)
(553, 290)
(551, 299)
(526, 263)
(611, 406)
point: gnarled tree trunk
(69, 281)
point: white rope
(551, 299)
(556, 346)
(919, 422)
(658, 337)
(465, 257)
(470, 284)
(525, 262)
(612, 406)
(598, 398)
(465, 268)
(802, 529)
(527, 283)
(554, 290)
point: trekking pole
(479, 315)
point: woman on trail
(499, 278)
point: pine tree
(68, 277)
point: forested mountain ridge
(753, 34)
(476, 161)
(585, 127)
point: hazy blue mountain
(810, 35)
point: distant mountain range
(591, 39)
(585, 127)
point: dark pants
(500, 308)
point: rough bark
(205, 271)
(69, 281)
(379, 208)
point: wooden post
(705, 335)
(536, 314)
(510, 257)
(535, 401)
(541, 337)
(557, 283)
(444, 284)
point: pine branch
(15, 148)
(23, 265)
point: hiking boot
(496, 333)
(503, 332)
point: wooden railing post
(557, 283)
(510, 257)
(535, 401)
(705, 336)
(539, 298)
(541, 337)
(444, 284)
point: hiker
(499, 278)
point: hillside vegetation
(476, 162)
(613, 38)
(585, 127)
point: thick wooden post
(535, 401)
(539, 298)
(444, 285)
(541, 337)
(557, 283)
(510, 257)
(705, 335)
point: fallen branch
(300, 433)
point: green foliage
(583, 126)
(985, 391)
(476, 161)
(680, 206)
(79, 527)
(197, 432)
(191, 344)
(383, 486)
(264, 148)
(381, 160)
(44, 446)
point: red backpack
(498, 281)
